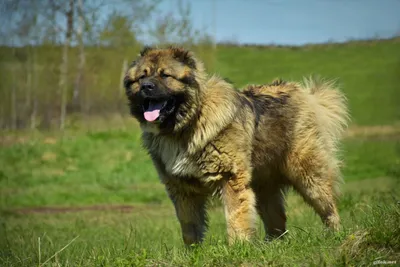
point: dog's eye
(164, 75)
(142, 76)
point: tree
(81, 64)
(127, 22)
(22, 26)
(118, 31)
(177, 29)
(69, 17)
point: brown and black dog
(204, 137)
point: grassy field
(91, 197)
(98, 194)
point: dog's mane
(219, 103)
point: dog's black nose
(147, 86)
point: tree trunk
(29, 83)
(34, 97)
(76, 102)
(13, 101)
(28, 93)
(33, 114)
(64, 64)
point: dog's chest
(175, 158)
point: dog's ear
(184, 56)
(142, 53)
(145, 50)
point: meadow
(89, 196)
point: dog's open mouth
(155, 108)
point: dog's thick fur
(248, 146)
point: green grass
(149, 235)
(110, 167)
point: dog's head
(163, 87)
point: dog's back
(287, 113)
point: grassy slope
(369, 73)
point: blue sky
(294, 21)
(290, 22)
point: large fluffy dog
(204, 137)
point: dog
(249, 146)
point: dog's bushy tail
(331, 107)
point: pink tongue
(151, 115)
(153, 111)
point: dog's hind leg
(271, 208)
(313, 178)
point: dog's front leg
(190, 209)
(240, 211)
